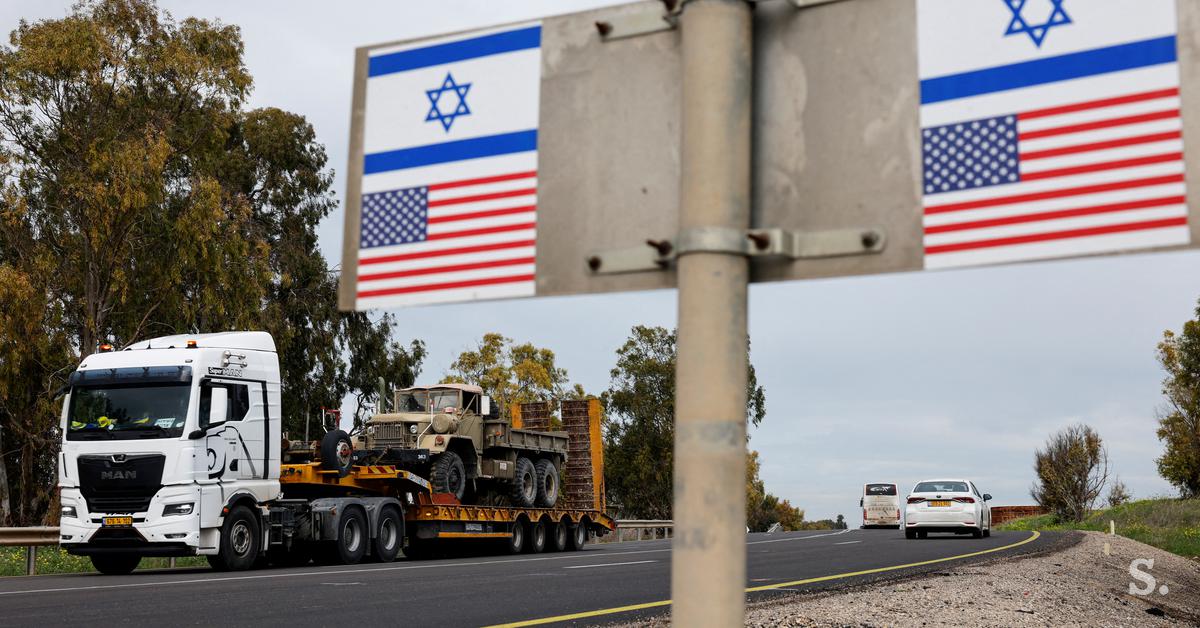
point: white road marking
(847, 542)
(363, 571)
(633, 562)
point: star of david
(1036, 31)
(458, 90)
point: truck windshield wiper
(94, 433)
(145, 428)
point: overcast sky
(896, 377)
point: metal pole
(30, 560)
(307, 421)
(708, 564)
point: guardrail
(31, 539)
(642, 526)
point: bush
(1072, 471)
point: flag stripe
(481, 180)
(1035, 196)
(1099, 124)
(448, 285)
(482, 197)
(458, 150)
(433, 270)
(471, 232)
(478, 248)
(1052, 215)
(483, 214)
(1058, 235)
(1106, 165)
(1100, 103)
(1117, 143)
(440, 54)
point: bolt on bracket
(753, 243)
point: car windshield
(941, 487)
(128, 411)
(425, 400)
(881, 489)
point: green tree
(640, 422)
(512, 373)
(1072, 470)
(139, 198)
(1179, 422)
(764, 509)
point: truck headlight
(178, 509)
(412, 429)
(69, 511)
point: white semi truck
(173, 447)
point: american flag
(464, 234)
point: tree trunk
(4, 501)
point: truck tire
(389, 535)
(579, 537)
(337, 452)
(536, 543)
(449, 475)
(547, 483)
(559, 537)
(238, 547)
(516, 542)
(115, 564)
(524, 484)
(351, 544)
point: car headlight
(412, 429)
(178, 509)
(69, 511)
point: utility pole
(708, 562)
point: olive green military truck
(454, 435)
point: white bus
(880, 504)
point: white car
(954, 505)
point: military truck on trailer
(173, 447)
(454, 435)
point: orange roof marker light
(191, 344)
(105, 348)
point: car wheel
(977, 533)
(922, 534)
(910, 534)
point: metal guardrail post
(30, 560)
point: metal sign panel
(844, 96)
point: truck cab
(162, 441)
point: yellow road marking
(768, 587)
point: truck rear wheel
(388, 535)
(537, 538)
(449, 475)
(579, 536)
(351, 544)
(524, 484)
(560, 536)
(547, 483)
(516, 542)
(238, 547)
(115, 564)
(337, 452)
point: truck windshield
(427, 400)
(128, 411)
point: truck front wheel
(115, 564)
(449, 475)
(239, 541)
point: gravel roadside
(1081, 585)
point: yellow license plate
(118, 521)
(939, 504)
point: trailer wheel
(579, 536)
(560, 536)
(537, 538)
(547, 483)
(351, 544)
(516, 542)
(388, 535)
(238, 547)
(449, 475)
(115, 564)
(524, 484)
(337, 452)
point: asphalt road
(580, 588)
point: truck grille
(120, 484)
(395, 435)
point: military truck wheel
(449, 475)
(537, 538)
(560, 537)
(524, 484)
(579, 537)
(388, 535)
(115, 564)
(547, 483)
(337, 452)
(516, 542)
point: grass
(52, 559)
(1169, 524)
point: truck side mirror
(218, 407)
